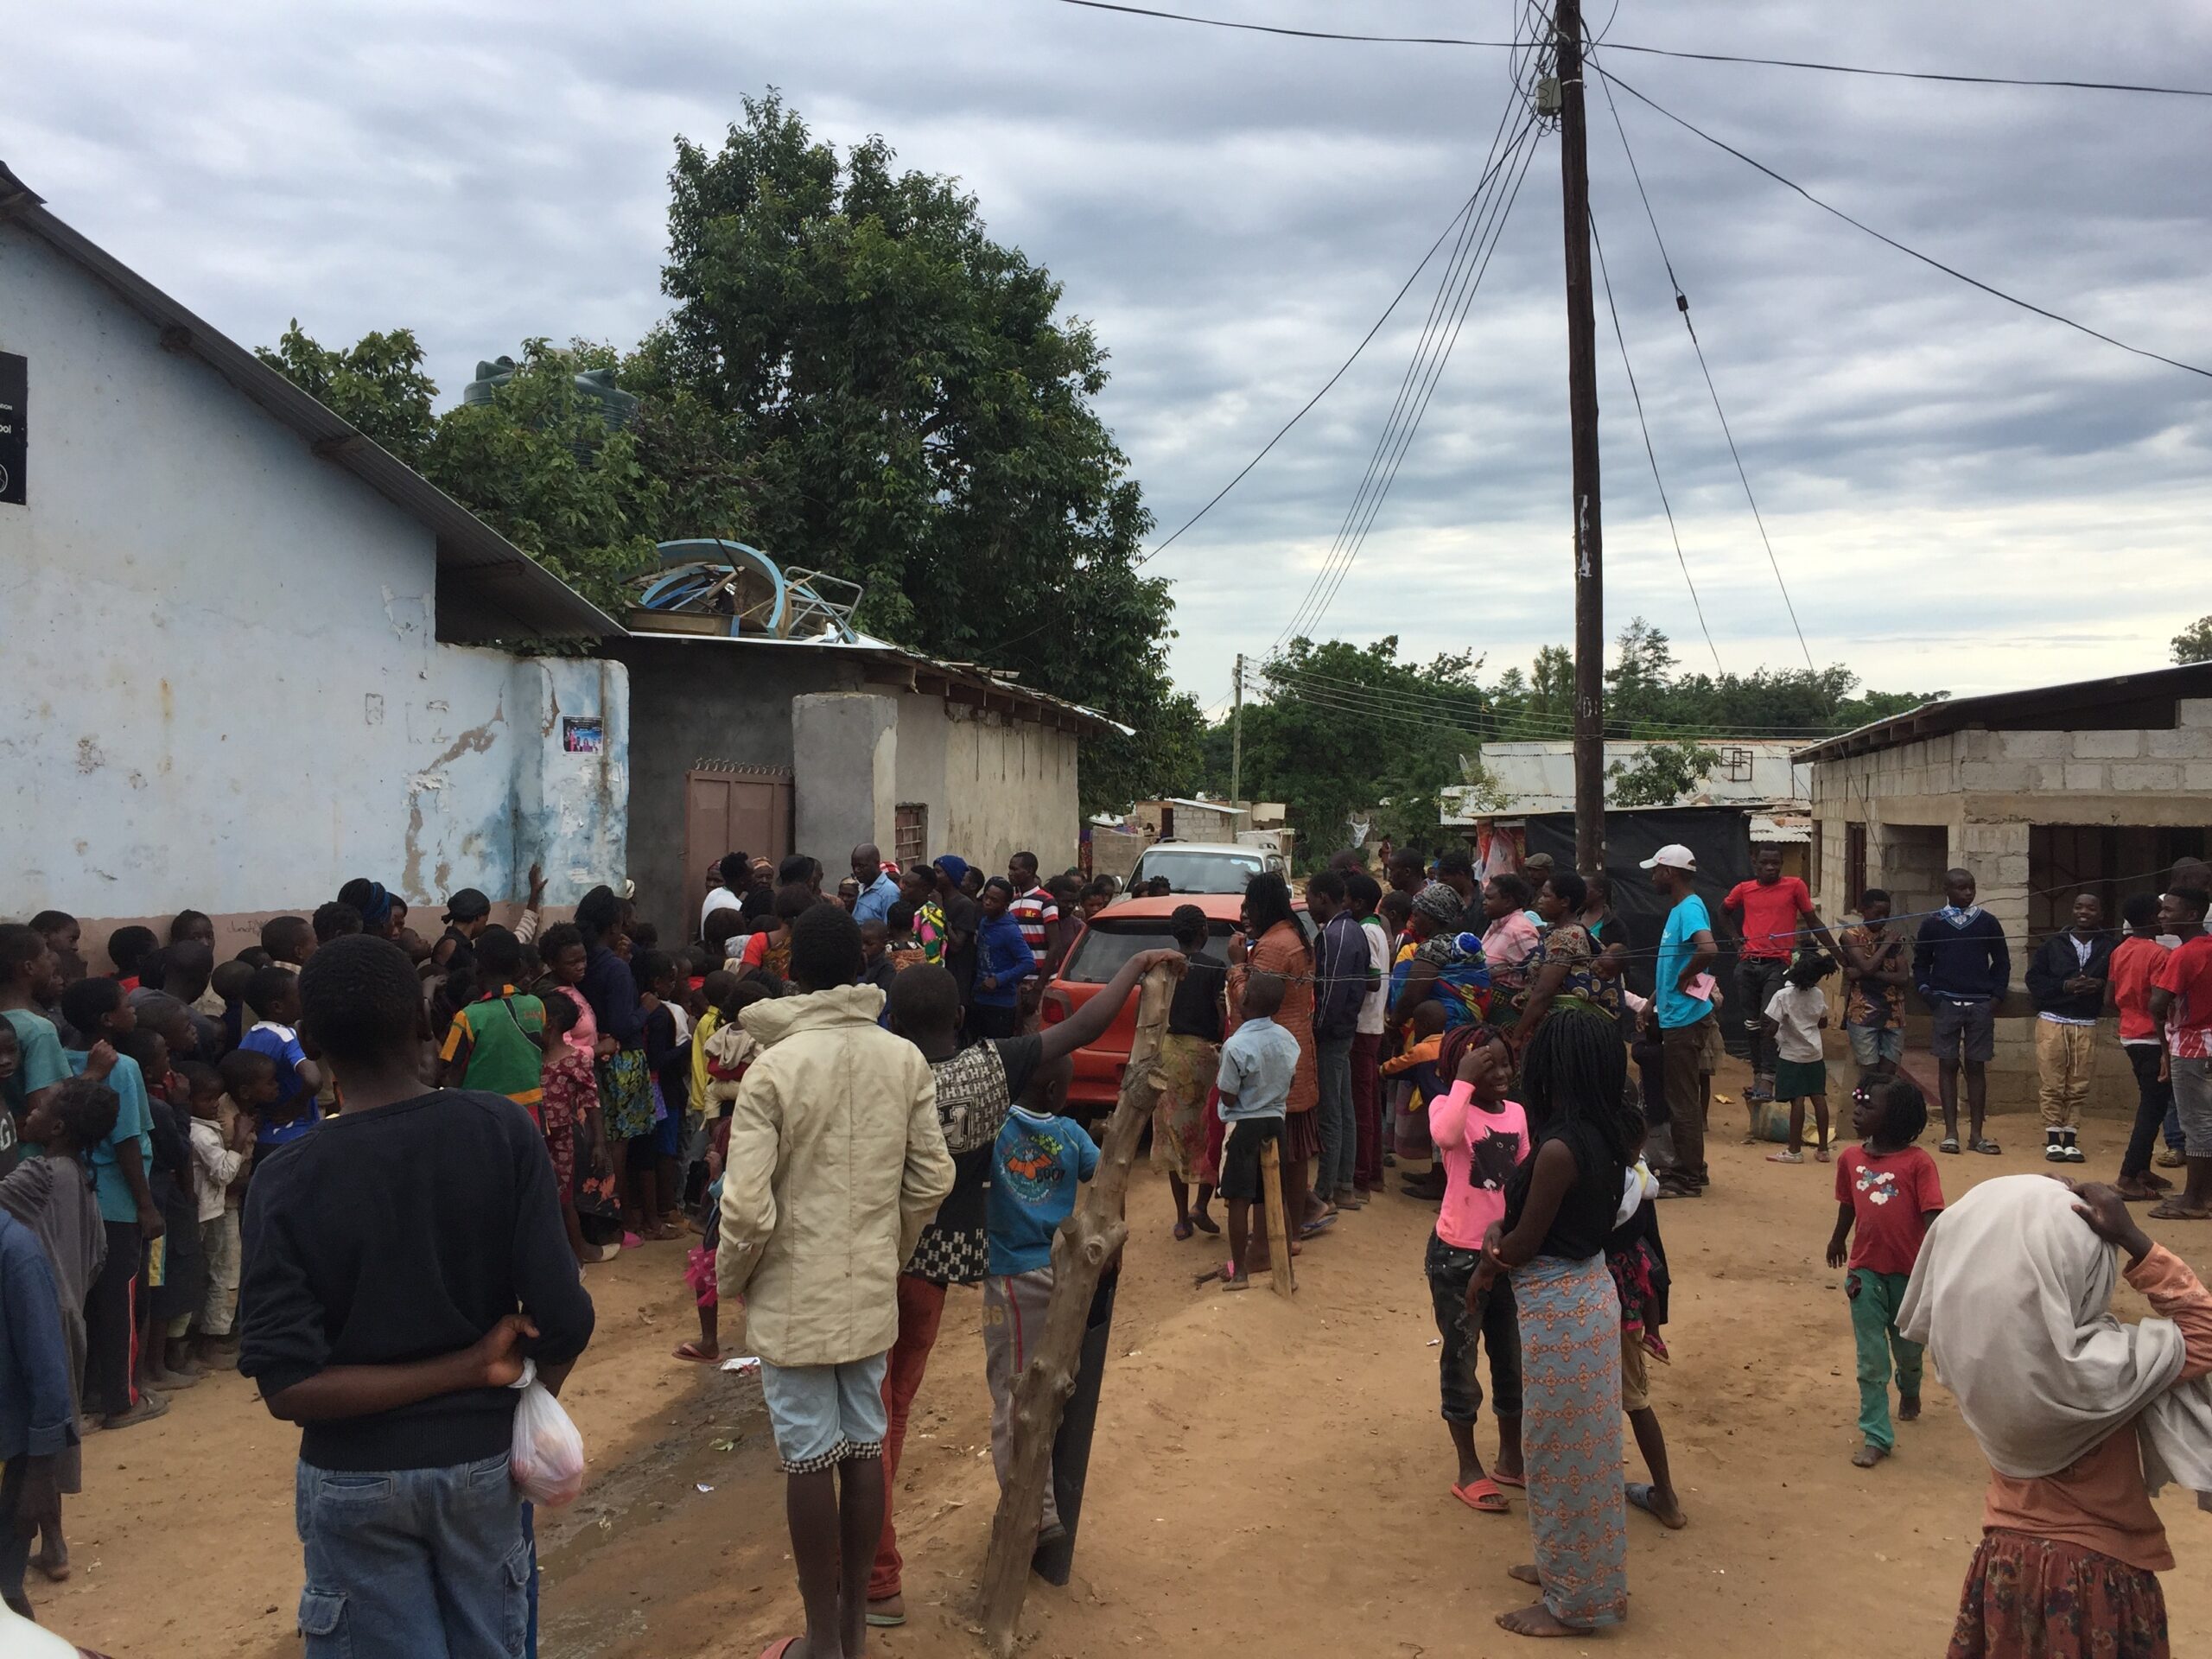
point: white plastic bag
(548, 1459)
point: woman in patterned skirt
(2082, 1417)
(1560, 1208)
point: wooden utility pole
(1087, 1240)
(1237, 737)
(1582, 415)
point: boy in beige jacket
(836, 1162)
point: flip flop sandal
(885, 1621)
(1484, 1497)
(778, 1649)
(1787, 1157)
(1207, 1225)
(697, 1356)
(1950, 1144)
(1518, 1483)
(1182, 1231)
(1988, 1148)
(2172, 1210)
(1321, 1225)
(1639, 1495)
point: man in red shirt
(2181, 997)
(2135, 963)
(1766, 910)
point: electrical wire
(1416, 387)
(1947, 76)
(1925, 259)
(1540, 724)
(1375, 505)
(1471, 229)
(1651, 454)
(1682, 305)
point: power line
(1471, 231)
(1651, 454)
(1945, 76)
(1925, 259)
(1416, 388)
(1428, 392)
(1682, 305)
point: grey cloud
(1232, 212)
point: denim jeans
(1339, 1128)
(413, 1563)
(2154, 1109)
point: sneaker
(2171, 1158)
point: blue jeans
(1339, 1127)
(413, 1563)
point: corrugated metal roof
(965, 674)
(489, 589)
(2117, 703)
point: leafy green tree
(378, 384)
(2194, 643)
(1659, 776)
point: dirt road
(1263, 1470)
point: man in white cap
(1688, 1023)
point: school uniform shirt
(1257, 1063)
(1038, 912)
(2135, 964)
(2187, 973)
(1678, 1008)
(1036, 1165)
(1889, 1194)
(293, 1113)
(1796, 1011)
(1770, 916)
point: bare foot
(1539, 1620)
(1868, 1455)
(52, 1560)
(1525, 1575)
(1908, 1407)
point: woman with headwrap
(1273, 943)
(2082, 1417)
(1447, 963)
(625, 1090)
(378, 920)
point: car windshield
(1199, 872)
(1108, 943)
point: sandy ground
(1263, 1469)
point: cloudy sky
(1960, 495)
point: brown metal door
(728, 810)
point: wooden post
(1278, 1223)
(1086, 1241)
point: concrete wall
(990, 784)
(1968, 798)
(223, 688)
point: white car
(1205, 867)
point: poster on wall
(15, 436)
(583, 734)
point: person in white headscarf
(2083, 1418)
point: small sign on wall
(14, 438)
(583, 734)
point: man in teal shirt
(1686, 1022)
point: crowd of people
(372, 1170)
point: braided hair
(1458, 1041)
(1575, 1074)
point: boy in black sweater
(1961, 963)
(401, 1258)
(2066, 977)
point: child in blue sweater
(1037, 1162)
(1961, 963)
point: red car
(1111, 937)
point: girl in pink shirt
(1481, 1137)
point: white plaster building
(247, 652)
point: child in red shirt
(1889, 1189)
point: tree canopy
(2194, 643)
(1338, 730)
(855, 376)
